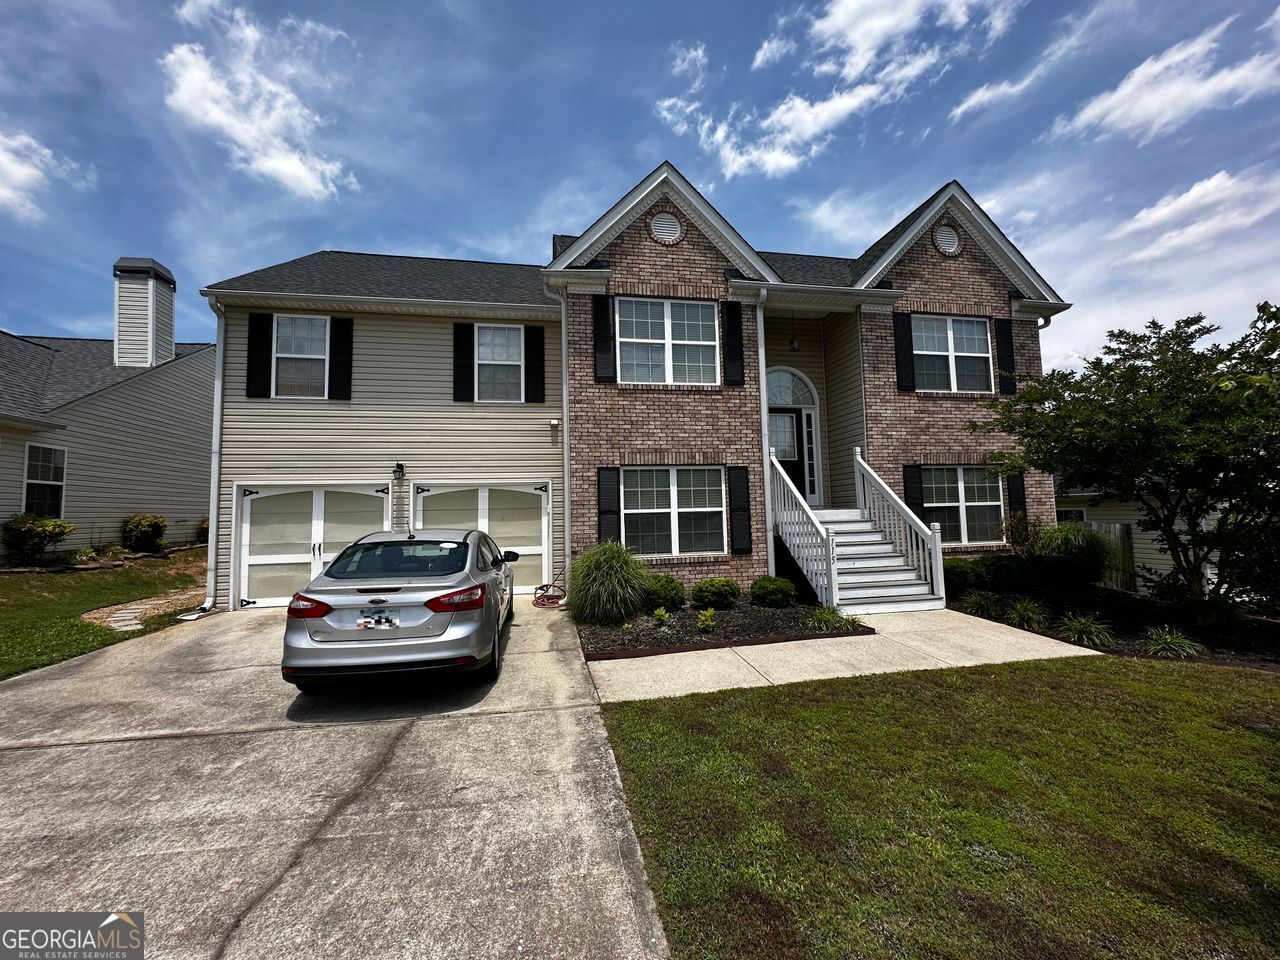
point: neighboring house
(93, 431)
(647, 370)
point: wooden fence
(1122, 576)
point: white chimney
(144, 312)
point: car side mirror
(510, 557)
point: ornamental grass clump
(830, 619)
(1025, 614)
(1086, 630)
(607, 585)
(981, 603)
(1170, 643)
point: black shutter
(731, 334)
(608, 504)
(913, 488)
(903, 353)
(535, 375)
(602, 335)
(739, 510)
(1017, 487)
(257, 374)
(1004, 355)
(340, 348)
(464, 362)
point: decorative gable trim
(956, 202)
(666, 181)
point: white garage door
(289, 534)
(517, 516)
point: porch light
(794, 343)
(397, 472)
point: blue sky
(1134, 156)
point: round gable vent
(946, 239)
(665, 227)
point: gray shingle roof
(339, 273)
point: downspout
(567, 532)
(215, 472)
(764, 434)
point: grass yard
(1079, 808)
(40, 612)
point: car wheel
(312, 688)
(511, 609)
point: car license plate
(378, 619)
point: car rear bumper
(455, 664)
(467, 641)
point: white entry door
(289, 534)
(517, 516)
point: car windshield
(400, 558)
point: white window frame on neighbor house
(27, 481)
(668, 342)
(964, 503)
(951, 352)
(276, 356)
(1084, 514)
(497, 363)
(673, 509)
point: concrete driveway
(176, 774)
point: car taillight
(471, 598)
(305, 608)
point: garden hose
(550, 594)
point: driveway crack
(367, 778)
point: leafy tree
(1187, 429)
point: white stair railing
(809, 542)
(920, 544)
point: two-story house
(722, 411)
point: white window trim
(964, 504)
(26, 477)
(674, 510)
(951, 353)
(667, 343)
(475, 350)
(275, 356)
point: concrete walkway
(177, 774)
(926, 640)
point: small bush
(1074, 555)
(960, 575)
(829, 620)
(660, 617)
(607, 584)
(772, 592)
(1169, 642)
(707, 620)
(1025, 614)
(202, 531)
(664, 591)
(982, 603)
(1005, 571)
(718, 592)
(1086, 630)
(109, 551)
(83, 555)
(144, 533)
(27, 537)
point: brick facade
(619, 425)
(932, 428)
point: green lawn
(1093, 807)
(40, 612)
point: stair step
(892, 605)
(914, 588)
(870, 535)
(874, 561)
(834, 515)
(876, 576)
(841, 527)
(867, 548)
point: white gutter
(764, 433)
(215, 472)
(567, 533)
(443, 307)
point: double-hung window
(673, 510)
(667, 341)
(951, 353)
(965, 501)
(301, 364)
(499, 363)
(46, 478)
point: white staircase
(872, 574)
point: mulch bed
(742, 625)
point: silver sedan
(399, 602)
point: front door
(786, 436)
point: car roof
(428, 533)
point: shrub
(664, 591)
(960, 575)
(1025, 614)
(1169, 642)
(981, 603)
(772, 592)
(109, 551)
(202, 531)
(144, 533)
(719, 592)
(28, 537)
(1086, 630)
(1074, 555)
(707, 620)
(829, 619)
(660, 617)
(607, 585)
(83, 555)
(1005, 571)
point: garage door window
(515, 517)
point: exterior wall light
(397, 472)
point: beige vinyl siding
(401, 410)
(809, 361)
(12, 463)
(164, 322)
(846, 424)
(133, 320)
(1146, 551)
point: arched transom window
(786, 389)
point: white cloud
(773, 49)
(1167, 90)
(246, 89)
(853, 221)
(568, 208)
(27, 168)
(690, 60)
